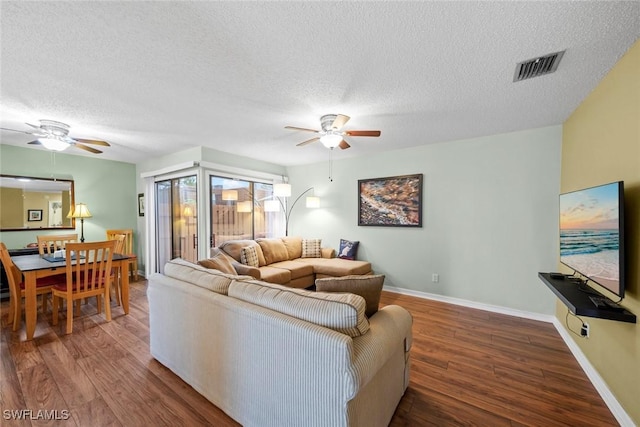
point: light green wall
(489, 216)
(107, 187)
(601, 144)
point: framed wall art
(390, 202)
(141, 204)
(34, 215)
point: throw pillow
(348, 249)
(249, 256)
(368, 287)
(219, 262)
(311, 248)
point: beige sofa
(281, 261)
(270, 355)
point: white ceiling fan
(54, 136)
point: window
(237, 210)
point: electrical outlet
(584, 331)
(435, 277)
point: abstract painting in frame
(390, 202)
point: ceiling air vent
(537, 66)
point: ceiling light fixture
(54, 144)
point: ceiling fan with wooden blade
(331, 135)
(54, 136)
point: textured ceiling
(156, 77)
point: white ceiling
(156, 77)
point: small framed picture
(141, 204)
(34, 215)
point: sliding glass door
(176, 219)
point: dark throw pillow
(348, 249)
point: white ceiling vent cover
(537, 66)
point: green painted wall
(601, 144)
(107, 187)
(489, 216)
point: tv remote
(604, 303)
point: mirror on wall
(30, 203)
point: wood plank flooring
(469, 367)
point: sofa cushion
(234, 247)
(249, 256)
(341, 312)
(311, 248)
(274, 250)
(297, 269)
(218, 261)
(368, 287)
(348, 249)
(212, 280)
(336, 267)
(294, 246)
(275, 275)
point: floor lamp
(81, 211)
(284, 191)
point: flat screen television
(592, 234)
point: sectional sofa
(291, 261)
(271, 355)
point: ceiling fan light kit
(331, 139)
(54, 144)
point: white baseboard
(598, 382)
(609, 399)
(472, 304)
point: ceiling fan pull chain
(331, 165)
(53, 163)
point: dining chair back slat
(127, 248)
(16, 291)
(88, 268)
(49, 243)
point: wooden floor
(469, 367)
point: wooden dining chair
(88, 274)
(16, 287)
(128, 249)
(49, 243)
(118, 249)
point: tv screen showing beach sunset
(590, 235)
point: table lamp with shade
(81, 211)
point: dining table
(34, 267)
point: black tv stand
(578, 300)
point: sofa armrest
(328, 252)
(389, 332)
(246, 270)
